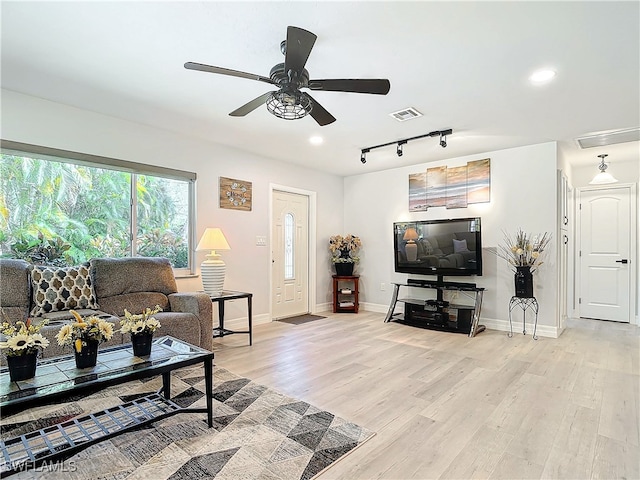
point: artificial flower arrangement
(523, 249)
(344, 249)
(142, 323)
(23, 338)
(84, 330)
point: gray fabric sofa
(115, 284)
(451, 250)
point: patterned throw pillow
(61, 288)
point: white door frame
(311, 283)
(633, 250)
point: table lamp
(410, 235)
(213, 268)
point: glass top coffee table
(57, 378)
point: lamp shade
(213, 268)
(213, 239)
(603, 178)
(410, 234)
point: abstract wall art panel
(457, 187)
(479, 181)
(418, 192)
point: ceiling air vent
(609, 138)
(406, 114)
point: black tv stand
(438, 314)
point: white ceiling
(464, 65)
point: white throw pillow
(460, 246)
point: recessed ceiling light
(542, 76)
(316, 140)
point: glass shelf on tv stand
(440, 286)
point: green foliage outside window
(86, 212)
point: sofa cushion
(61, 288)
(135, 303)
(14, 288)
(445, 242)
(119, 276)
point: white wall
(523, 195)
(32, 120)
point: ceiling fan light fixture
(289, 105)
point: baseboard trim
(241, 323)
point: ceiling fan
(289, 102)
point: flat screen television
(438, 247)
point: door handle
(566, 239)
(624, 260)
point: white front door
(605, 249)
(290, 256)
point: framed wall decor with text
(235, 194)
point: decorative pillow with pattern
(61, 288)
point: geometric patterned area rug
(300, 319)
(258, 433)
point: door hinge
(580, 253)
(580, 206)
(580, 301)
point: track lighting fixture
(400, 143)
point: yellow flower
(78, 345)
(106, 330)
(19, 342)
(64, 334)
(39, 340)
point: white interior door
(605, 253)
(290, 255)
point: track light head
(399, 149)
(443, 141)
(363, 157)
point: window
(288, 247)
(86, 202)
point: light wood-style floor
(447, 406)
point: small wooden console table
(345, 293)
(436, 313)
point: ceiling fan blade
(251, 106)
(226, 71)
(376, 86)
(318, 112)
(299, 45)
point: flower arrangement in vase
(21, 344)
(344, 252)
(524, 253)
(85, 335)
(141, 327)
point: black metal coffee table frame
(61, 441)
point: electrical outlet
(383, 287)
